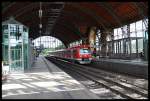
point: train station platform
(44, 81)
(135, 67)
(134, 61)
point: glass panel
(132, 27)
(5, 27)
(133, 44)
(5, 39)
(16, 57)
(121, 46)
(140, 45)
(140, 34)
(118, 47)
(83, 51)
(132, 34)
(20, 28)
(13, 28)
(13, 34)
(139, 25)
(144, 28)
(51, 43)
(119, 31)
(115, 37)
(125, 35)
(25, 56)
(5, 54)
(146, 35)
(128, 47)
(115, 47)
(5, 45)
(115, 32)
(120, 36)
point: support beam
(70, 27)
(92, 14)
(5, 8)
(103, 42)
(111, 11)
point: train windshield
(84, 51)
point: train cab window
(84, 51)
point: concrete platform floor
(42, 83)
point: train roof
(56, 50)
(80, 46)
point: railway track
(131, 80)
(110, 81)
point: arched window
(48, 42)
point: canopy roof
(68, 21)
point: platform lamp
(40, 16)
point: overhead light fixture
(40, 10)
(40, 31)
(40, 13)
(40, 26)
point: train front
(85, 56)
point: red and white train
(80, 54)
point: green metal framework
(15, 45)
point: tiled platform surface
(42, 83)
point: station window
(12, 29)
(140, 45)
(132, 34)
(119, 33)
(127, 49)
(133, 44)
(121, 46)
(132, 27)
(20, 28)
(139, 33)
(124, 33)
(5, 27)
(139, 25)
(115, 47)
(115, 34)
(143, 24)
